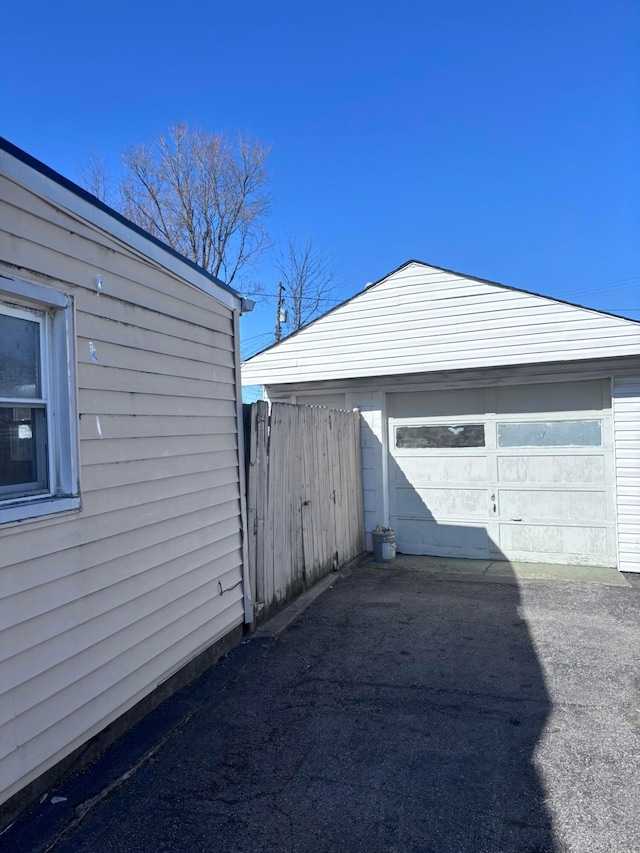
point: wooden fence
(304, 498)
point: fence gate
(304, 498)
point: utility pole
(279, 311)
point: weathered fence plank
(304, 497)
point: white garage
(496, 423)
(523, 472)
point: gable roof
(422, 318)
(40, 178)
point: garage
(518, 472)
(496, 423)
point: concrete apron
(450, 569)
(503, 571)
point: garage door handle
(516, 519)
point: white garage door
(513, 472)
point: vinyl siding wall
(626, 424)
(430, 319)
(100, 606)
(371, 405)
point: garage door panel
(441, 503)
(530, 504)
(441, 469)
(580, 544)
(417, 404)
(525, 472)
(579, 470)
(593, 395)
(443, 540)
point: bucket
(384, 544)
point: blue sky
(499, 139)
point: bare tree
(201, 193)
(308, 275)
(96, 178)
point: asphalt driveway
(404, 710)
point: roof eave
(40, 178)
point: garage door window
(551, 434)
(441, 436)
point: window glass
(551, 434)
(445, 435)
(19, 358)
(22, 451)
(23, 427)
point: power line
(590, 291)
(311, 298)
(619, 280)
(257, 337)
(599, 288)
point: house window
(38, 435)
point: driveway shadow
(448, 704)
(399, 713)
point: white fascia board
(46, 187)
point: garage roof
(422, 318)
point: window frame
(41, 485)
(58, 379)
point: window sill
(39, 508)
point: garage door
(512, 472)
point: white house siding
(626, 419)
(424, 318)
(370, 404)
(98, 607)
